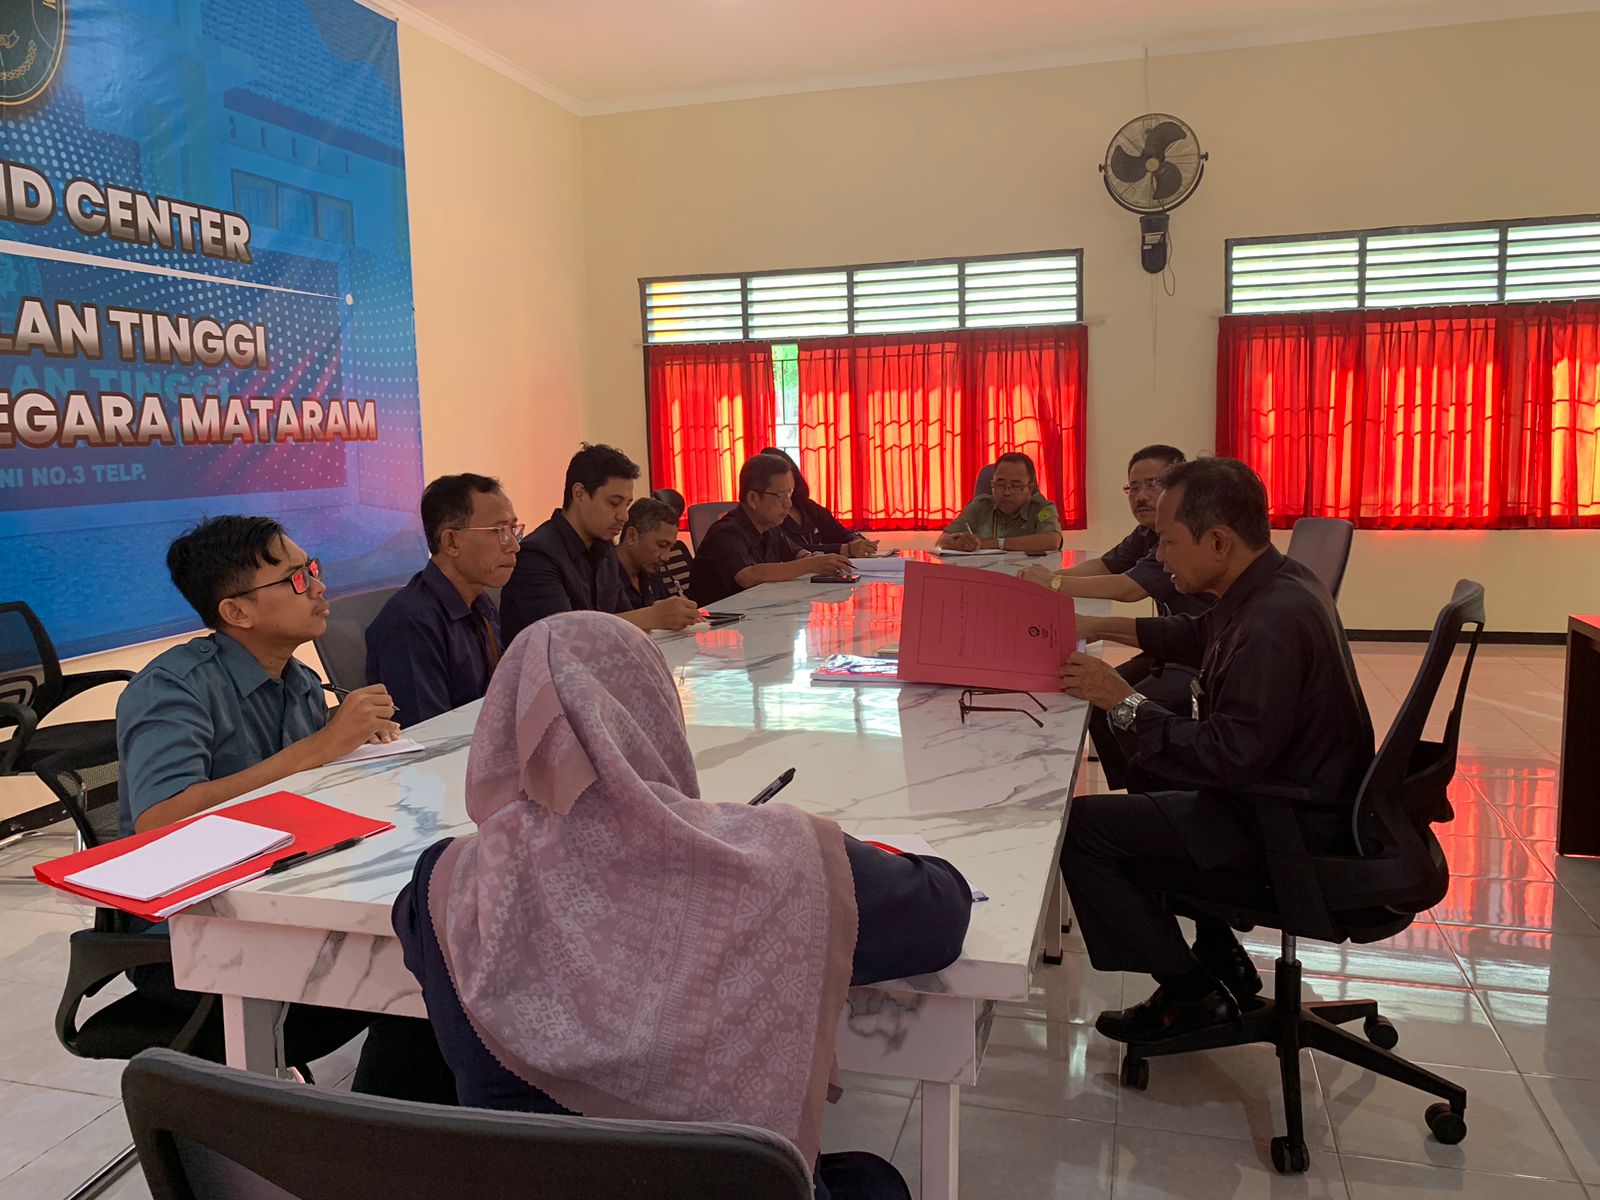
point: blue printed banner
(205, 298)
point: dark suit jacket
(555, 572)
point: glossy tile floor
(1499, 988)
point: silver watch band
(1122, 715)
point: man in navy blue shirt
(570, 562)
(437, 640)
(645, 550)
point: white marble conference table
(990, 795)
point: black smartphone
(722, 618)
(852, 577)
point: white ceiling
(597, 56)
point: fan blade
(1126, 167)
(1163, 136)
(1168, 181)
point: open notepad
(371, 750)
(182, 857)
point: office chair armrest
(26, 721)
(97, 958)
(82, 681)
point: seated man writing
(1130, 572)
(437, 641)
(645, 551)
(1279, 703)
(747, 546)
(1013, 516)
(233, 711)
(570, 562)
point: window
(958, 293)
(1507, 261)
(1455, 417)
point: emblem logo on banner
(32, 34)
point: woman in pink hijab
(610, 944)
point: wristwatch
(1056, 583)
(1122, 715)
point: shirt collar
(248, 674)
(442, 590)
(573, 543)
(1253, 576)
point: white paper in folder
(161, 867)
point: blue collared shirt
(206, 710)
(427, 647)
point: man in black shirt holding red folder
(1279, 703)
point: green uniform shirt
(982, 518)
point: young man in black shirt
(1279, 703)
(644, 551)
(570, 562)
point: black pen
(294, 860)
(340, 693)
(773, 788)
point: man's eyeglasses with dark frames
(964, 701)
(299, 579)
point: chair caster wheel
(1135, 1073)
(1289, 1158)
(1053, 960)
(1381, 1032)
(1446, 1125)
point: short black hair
(647, 512)
(1168, 455)
(671, 498)
(1221, 491)
(802, 489)
(760, 471)
(447, 503)
(217, 558)
(593, 465)
(1016, 456)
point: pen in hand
(340, 693)
(773, 788)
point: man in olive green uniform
(1013, 516)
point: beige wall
(493, 176)
(1449, 124)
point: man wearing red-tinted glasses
(231, 712)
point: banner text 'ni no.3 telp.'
(205, 298)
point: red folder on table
(315, 826)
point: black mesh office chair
(206, 1132)
(85, 780)
(1397, 872)
(343, 644)
(31, 688)
(1323, 544)
(984, 482)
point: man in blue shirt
(234, 711)
(437, 640)
(570, 562)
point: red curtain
(894, 429)
(1470, 417)
(711, 407)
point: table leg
(1054, 921)
(1578, 822)
(252, 1030)
(941, 1139)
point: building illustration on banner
(205, 300)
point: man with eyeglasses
(1130, 572)
(233, 711)
(1013, 516)
(437, 641)
(747, 546)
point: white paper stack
(182, 857)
